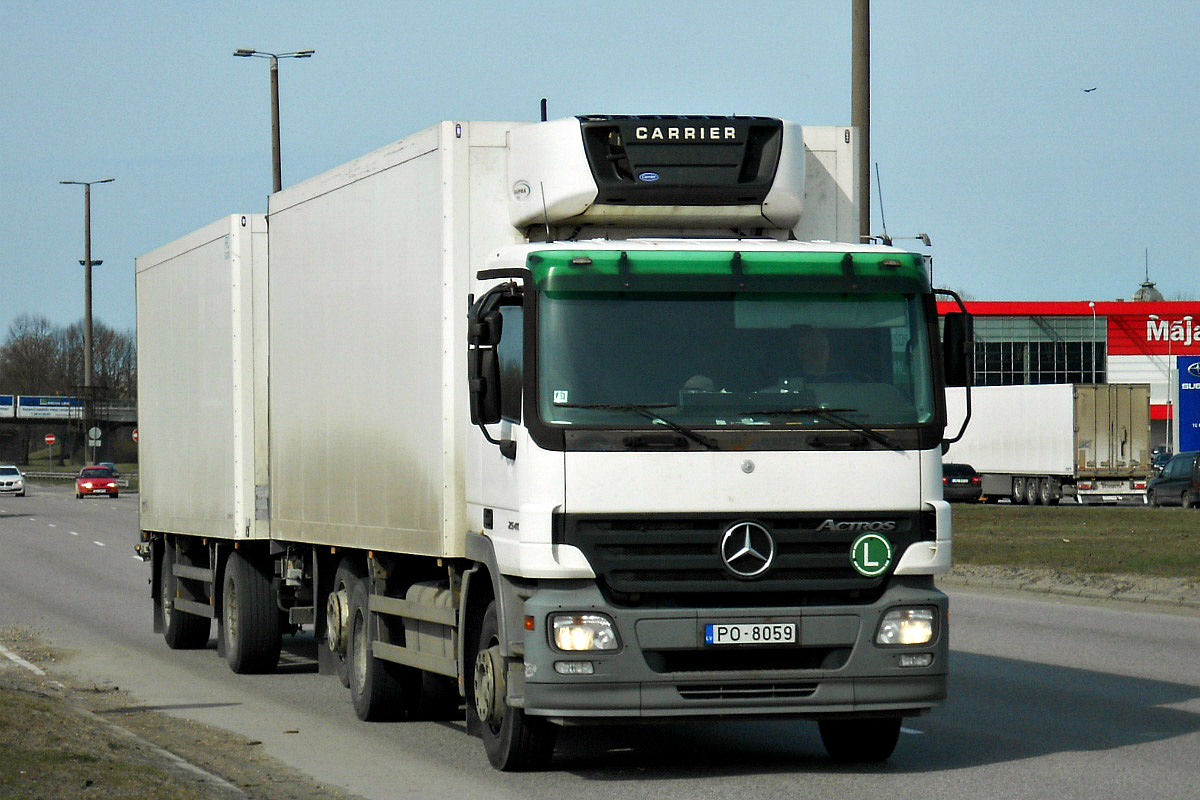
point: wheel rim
(488, 685)
(336, 621)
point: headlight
(906, 626)
(579, 632)
(86, 484)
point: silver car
(12, 481)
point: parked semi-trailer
(562, 422)
(1033, 444)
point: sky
(984, 137)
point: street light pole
(87, 295)
(276, 160)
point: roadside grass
(1122, 540)
(52, 753)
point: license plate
(99, 491)
(750, 633)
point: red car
(96, 480)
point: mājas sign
(1157, 335)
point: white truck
(1035, 444)
(510, 417)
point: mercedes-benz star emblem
(748, 549)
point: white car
(12, 481)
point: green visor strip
(725, 270)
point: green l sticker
(871, 555)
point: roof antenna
(543, 109)
(882, 220)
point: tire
(1046, 492)
(1185, 500)
(1018, 491)
(182, 631)
(1152, 499)
(1034, 487)
(380, 690)
(860, 741)
(249, 617)
(78, 495)
(513, 740)
(337, 616)
(115, 495)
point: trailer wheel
(380, 690)
(513, 740)
(1035, 489)
(337, 616)
(862, 741)
(182, 631)
(1018, 491)
(249, 617)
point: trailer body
(1035, 444)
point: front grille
(747, 691)
(666, 662)
(676, 559)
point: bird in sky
(1091, 89)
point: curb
(1065, 590)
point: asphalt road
(1047, 699)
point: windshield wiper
(647, 411)
(833, 415)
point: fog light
(906, 626)
(916, 659)
(577, 632)
(574, 667)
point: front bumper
(664, 669)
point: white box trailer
(512, 414)
(1033, 444)
(202, 360)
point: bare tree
(29, 355)
(38, 358)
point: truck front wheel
(249, 617)
(512, 739)
(861, 741)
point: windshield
(727, 358)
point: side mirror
(484, 385)
(958, 349)
(485, 325)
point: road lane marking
(912, 731)
(16, 659)
(98, 544)
(74, 533)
